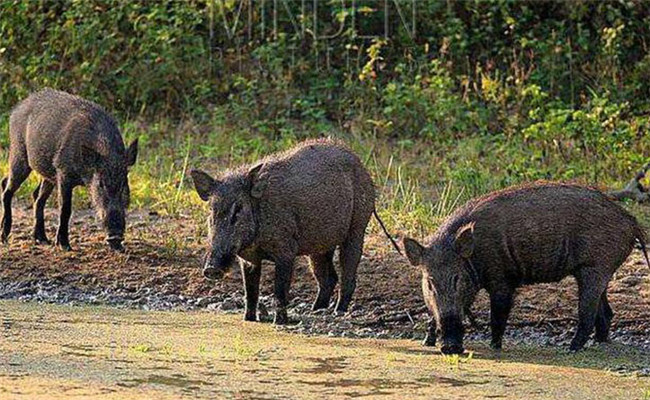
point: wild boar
(69, 142)
(530, 234)
(306, 201)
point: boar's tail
(640, 236)
(386, 232)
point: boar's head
(232, 222)
(449, 281)
(109, 190)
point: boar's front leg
(65, 187)
(251, 273)
(500, 306)
(41, 194)
(432, 332)
(283, 275)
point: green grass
(419, 181)
(243, 349)
(141, 348)
(455, 360)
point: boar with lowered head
(69, 142)
(524, 235)
(307, 201)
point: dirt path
(50, 352)
(161, 270)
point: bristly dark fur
(68, 141)
(528, 234)
(308, 200)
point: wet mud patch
(453, 382)
(79, 350)
(175, 380)
(331, 365)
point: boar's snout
(114, 223)
(452, 349)
(452, 335)
(115, 243)
(216, 266)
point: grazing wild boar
(523, 235)
(69, 142)
(306, 201)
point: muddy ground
(161, 270)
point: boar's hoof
(64, 246)
(452, 349)
(116, 244)
(339, 313)
(429, 340)
(42, 241)
(250, 316)
(578, 342)
(575, 347)
(603, 339)
(496, 345)
(281, 317)
(320, 305)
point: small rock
(203, 301)
(230, 305)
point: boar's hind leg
(591, 286)
(65, 211)
(19, 170)
(322, 267)
(349, 256)
(603, 319)
(283, 274)
(251, 274)
(41, 194)
(500, 306)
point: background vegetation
(448, 100)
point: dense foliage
(489, 92)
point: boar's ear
(203, 183)
(414, 250)
(132, 153)
(464, 242)
(257, 182)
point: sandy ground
(51, 352)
